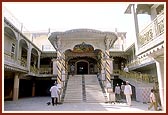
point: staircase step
(83, 89)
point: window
(13, 51)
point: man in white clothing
(128, 93)
(54, 94)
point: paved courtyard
(38, 105)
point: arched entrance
(82, 67)
(83, 58)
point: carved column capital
(108, 41)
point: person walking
(72, 69)
(54, 94)
(128, 93)
(152, 100)
(117, 92)
(122, 90)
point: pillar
(63, 77)
(108, 65)
(16, 87)
(161, 79)
(18, 50)
(136, 27)
(102, 64)
(33, 89)
(153, 11)
(28, 58)
(55, 69)
(38, 62)
(102, 70)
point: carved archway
(82, 67)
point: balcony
(136, 77)
(45, 70)
(34, 70)
(11, 63)
(152, 35)
(23, 62)
(139, 62)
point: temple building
(32, 62)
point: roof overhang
(83, 34)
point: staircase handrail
(141, 77)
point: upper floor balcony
(152, 36)
(138, 62)
(12, 63)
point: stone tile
(26, 105)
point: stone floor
(38, 105)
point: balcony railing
(138, 77)
(8, 56)
(23, 62)
(34, 70)
(152, 31)
(138, 61)
(45, 70)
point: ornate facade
(27, 66)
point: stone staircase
(83, 88)
(74, 89)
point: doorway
(82, 67)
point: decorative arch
(34, 58)
(8, 31)
(82, 67)
(23, 43)
(23, 52)
(83, 47)
(34, 52)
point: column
(57, 73)
(63, 77)
(108, 65)
(111, 69)
(18, 50)
(33, 89)
(16, 87)
(59, 64)
(161, 79)
(102, 69)
(102, 64)
(38, 64)
(153, 12)
(28, 58)
(136, 27)
(55, 69)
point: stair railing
(139, 77)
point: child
(152, 100)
